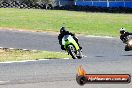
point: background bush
(51, 4)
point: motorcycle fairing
(67, 40)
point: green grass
(18, 55)
(78, 22)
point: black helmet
(62, 30)
(122, 30)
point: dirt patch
(42, 31)
(28, 30)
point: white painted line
(34, 50)
(66, 58)
(1, 47)
(21, 30)
(11, 48)
(25, 49)
(4, 82)
(42, 59)
(23, 61)
(98, 36)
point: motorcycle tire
(127, 48)
(71, 50)
(80, 54)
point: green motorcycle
(71, 47)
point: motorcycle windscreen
(63, 41)
(67, 37)
(70, 39)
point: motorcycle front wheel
(72, 50)
(80, 54)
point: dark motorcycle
(128, 45)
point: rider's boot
(127, 48)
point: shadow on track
(99, 56)
(127, 55)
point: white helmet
(122, 30)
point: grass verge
(78, 22)
(18, 55)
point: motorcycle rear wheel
(127, 48)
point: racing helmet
(62, 30)
(122, 30)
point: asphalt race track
(102, 56)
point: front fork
(79, 52)
(69, 53)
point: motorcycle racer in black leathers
(63, 32)
(125, 38)
(124, 35)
